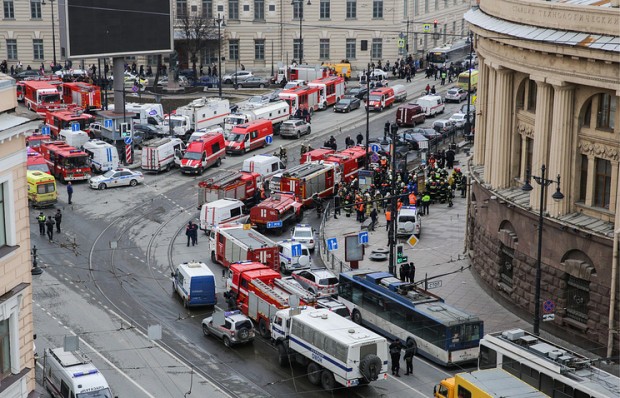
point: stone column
(523, 161)
(481, 116)
(500, 176)
(562, 152)
(542, 134)
(615, 190)
(490, 126)
(591, 176)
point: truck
(76, 138)
(222, 211)
(62, 119)
(488, 383)
(233, 242)
(331, 89)
(241, 185)
(335, 351)
(299, 72)
(276, 112)
(194, 282)
(103, 156)
(66, 163)
(198, 114)
(302, 97)
(161, 154)
(265, 165)
(39, 96)
(202, 153)
(72, 374)
(147, 113)
(260, 292)
(84, 95)
(311, 178)
(276, 212)
(350, 160)
(41, 189)
(410, 115)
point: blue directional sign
(108, 123)
(274, 224)
(332, 244)
(375, 147)
(362, 238)
(45, 130)
(127, 140)
(75, 126)
(296, 250)
(269, 139)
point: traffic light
(400, 257)
(435, 24)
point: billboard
(116, 28)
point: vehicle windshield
(192, 155)
(175, 122)
(236, 137)
(78, 161)
(290, 85)
(234, 120)
(108, 173)
(303, 234)
(49, 97)
(256, 100)
(39, 167)
(328, 281)
(344, 101)
(104, 393)
(375, 98)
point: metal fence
(330, 260)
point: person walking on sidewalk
(41, 221)
(388, 218)
(337, 201)
(426, 201)
(373, 217)
(69, 191)
(411, 272)
(395, 348)
(58, 219)
(50, 227)
(409, 352)
(194, 234)
(188, 232)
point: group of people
(48, 222)
(395, 351)
(444, 72)
(191, 231)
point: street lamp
(53, 35)
(367, 116)
(300, 14)
(393, 203)
(220, 22)
(557, 196)
(467, 128)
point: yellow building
(548, 96)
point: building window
(35, 9)
(296, 48)
(11, 49)
(233, 9)
(602, 186)
(377, 48)
(324, 9)
(181, 8)
(5, 348)
(577, 299)
(606, 111)
(233, 49)
(9, 9)
(350, 49)
(297, 9)
(259, 49)
(506, 261)
(416, 7)
(351, 9)
(272, 8)
(259, 12)
(531, 96)
(377, 9)
(425, 6)
(583, 178)
(209, 56)
(4, 207)
(207, 9)
(37, 49)
(324, 49)
(587, 115)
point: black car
(412, 138)
(402, 147)
(347, 104)
(358, 92)
(25, 74)
(432, 135)
(205, 81)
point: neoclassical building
(548, 96)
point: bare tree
(196, 30)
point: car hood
(99, 178)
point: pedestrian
(41, 221)
(433, 90)
(450, 155)
(411, 272)
(69, 191)
(426, 201)
(409, 353)
(336, 206)
(406, 271)
(388, 218)
(359, 139)
(373, 217)
(463, 186)
(50, 227)
(188, 232)
(194, 234)
(401, 273)
(395, 348)
(58, 219)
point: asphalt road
(107, 280)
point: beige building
(16, 328)
(548, 96)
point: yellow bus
(341, 69)
(41, 189)
(464, 81)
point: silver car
(238, 76)
(232, 327)
(294, 128)
(319, 281)
(456, 94)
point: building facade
(548, 97)
(16, 325)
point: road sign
(269, 139)
(412, 241)
(127, 140)
(375, 147)
(548, 317)
(374, 158)
(401, 43)
(75, 126)
(427, 27)
(296, 250)
(332, 244)
(108, 123)
(274, 224)
(45, 130)
(362, 238)
(247, 227)
(135, 88)
(434, 284)
(548, 306)
(152, 112)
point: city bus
(400, 310)
(467, 81)
(450, 53)
(546, 366)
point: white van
(221, 211)
(400, 93)
(431, 104)
(265, 165)
(103, 156)
(408, 222)
(196, 135)
(162, 154)
(74, 138)
(149, 113)
(290, 263)
(71, 374)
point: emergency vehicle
(307, 179)
(198, 114)
(66, 162)
(203, 153)
(222, 211)
(161, 154)
(246, 137)
(35, 140)
(72, 374)
(85, 95)
(41, 189)
(232, 184)
(350, 160)
(331, 90)
(75, 138)
(35, 161)
(276, 211)
(62, 119)
(103, 156)
(380, 98)
(265, 165)
(299, 72)
(302, 97)
(261, 292)
(410, 115)
(20, 89)
(40, 96)
(231, 243)
(315, 155)
(277, 112)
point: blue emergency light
(90, 372)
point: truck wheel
(263, 329)
(133, 183)
(314, 373)
(356, 317)
(102, 186)
(327, 380)
(227, 342)
(282, 355)
(218, 162)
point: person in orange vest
(412, 199)
(399, 204)
(388, 218)
(360, 211)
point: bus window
(488, 358)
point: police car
(319, 281)
(304, 233)
(116, 178)
(232, 327)
(288, 262)
(409, 222)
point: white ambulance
(103, 156)
(265, 165)
(222, 211)
(161, 154)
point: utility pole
(367, 115)
(393, 203)
(467, 128)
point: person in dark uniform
(411, 272)
(69, 191)
(50, 227)
(58, 219)
(337, 201)
(409, 352)
(395, 348)
(188, 232)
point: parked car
(149, 131)
(347, 104)
(304, 233)
(456, 94)
(318, 281)
(26, 74)
(472, 111)
(412, 138)
(238, 76)
(444, 127)
(379, 73)
(232, 327)
(458, 119)
(294, 128)
(359, 92)
(116, 178)
(432, 135)
(205, 81)
(254, 82)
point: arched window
(508, 240)
(579, 271)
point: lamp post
(53, 35)
(544, 183)
(300, 14)
(393, 203)
(367, 118)
(220, 22)
(467, 128)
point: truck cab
(203, 153)
(249, 136)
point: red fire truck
(66, 162)
(315, 155)
(307, 179)
(331, 90)
(261, 292)
(231, 243)
(302, 97)
(276, 211)
(36, 162)
(241, 185)
(350, 160)
(86, 96)
(21, 88)
(63, 119)
(34, 141)
(40, 96)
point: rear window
(406, 219)
(328, 281)
(303, 234)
